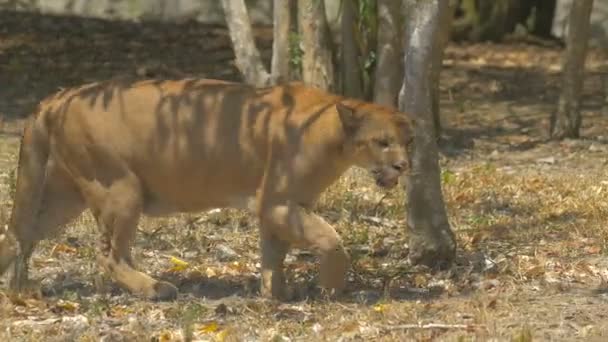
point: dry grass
(529, 264)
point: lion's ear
(349, 118)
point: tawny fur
(161, 147)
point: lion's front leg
(294, 224)
(273, 277)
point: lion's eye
(383, 143)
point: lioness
(161, 147)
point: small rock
(221, 309)
(225, 253)
(570, 142)
(78, 321)
(317, 328)
(489, 264)
(547, 160)
(488, 284)
(134, 324)
(31, 322)
(73, 241)
(360, 249)
(112, 336)
(289, 258)
(191, 254)
(366, 296)
(597, 148)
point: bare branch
(280, 44)
(248, 58)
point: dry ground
(530, 215)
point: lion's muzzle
(388, 176)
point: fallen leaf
(380, 307)
(221, 336)
(165, 336)
(208, 328)
(119, 311)
(61, 248)
(535, 271)
(210, 272)
(178, 264)
(593, 250)
(64, 305)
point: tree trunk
(444, 35)
(280, 44)
(351, 66)
(566, 120)
(390, 66)
(432, 241)
(248, 58)
(545, 12)
(317, 61)
(493, 17)
(604, 78)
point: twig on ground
(431, 326)
(151, 234)
(375, 210)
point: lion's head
(381, 140)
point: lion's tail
(31, 170)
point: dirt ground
(530, 215)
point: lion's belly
(191, 191)
(161, 207)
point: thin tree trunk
(280, 44)
(604, 78)
(351, 67)
(545, 12)
(566, 121)
(248, 59)
(317, 61)
(444, 35)
(390, 65)
(432, 241)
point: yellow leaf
(380, 307)
(210, 272)
(120, 311)
(178, 264)
(165, 336)
(67, 306)
(221, 336)
(208, 328)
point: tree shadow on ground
(40, 54)
(243, 287)
(517, 100)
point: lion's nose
(400, 166)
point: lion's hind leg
(8, 249)
(117, 210)
(61, 202)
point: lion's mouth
(387, 183)
(387, 179)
